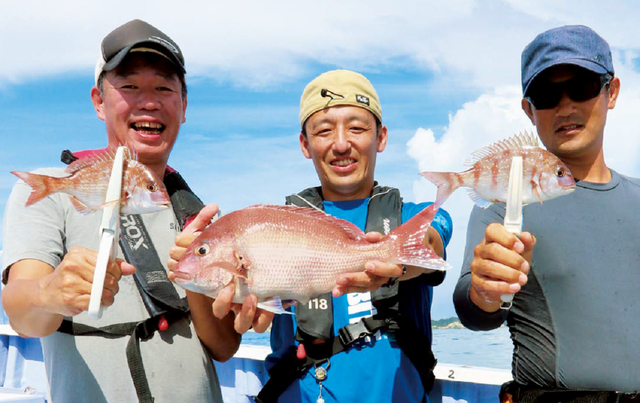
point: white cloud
(260, 44)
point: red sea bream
(284, 253)
(142, 191)
(544, 175)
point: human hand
(67, 290)
(500, 265)
(375, 274)
(191, 232)
(247, 314)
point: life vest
(384, 213)
(159, 295)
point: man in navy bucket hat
(575, 317)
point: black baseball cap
(136, 36)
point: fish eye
(202, 250)
(152, 186)
(560, 172)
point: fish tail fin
(446, 182)
(407, 240)
(42, 185)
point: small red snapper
(545, 176)
(142, 191)
(284, 253)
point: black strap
(142, 330)
(157, 292)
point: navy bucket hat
(571, 44)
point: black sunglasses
(582, 87)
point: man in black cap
(145, 338)
(575, 317)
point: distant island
(449, 323)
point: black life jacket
(158, 294)
(383, 215)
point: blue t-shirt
(378, 371)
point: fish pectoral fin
(80, 206)
(478, 200)
(273, 304)
(534, 187)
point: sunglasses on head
(582, 87)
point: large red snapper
(142, 191)
(545, 176)
(284, 253)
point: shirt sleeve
(443, 224)
(32, 232)
(470, 315)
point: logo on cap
(164, 43)
(362, 99)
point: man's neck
(362, 193)
(592, 170)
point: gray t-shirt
(91, 368)
(575, 324)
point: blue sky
(447, 74)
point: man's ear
(614, 91)
(98, 102)
(528, 109)
(304, 146)
(184, 110)
(383, 136)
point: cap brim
(119, 57)
(585, 64)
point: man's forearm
(217, 335)
(21, 300)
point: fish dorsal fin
(521, 140)
(351, 230)
(477, 199)
(107, 154)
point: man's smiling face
(343, 142)
(143, 106)
(572, 130)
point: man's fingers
(222, 304)
(262, 321)
(501, 254)
(373, 236)
(498, 271)
(203, 219)
(126, 268)
(244, 318)
(499, 234)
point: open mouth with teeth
(148, 127)
(344, 162)
(569, 127)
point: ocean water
(490, 349)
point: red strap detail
(163, 324)
(301, 353)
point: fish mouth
(148, 128)
(182, 277)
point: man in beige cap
(369, 340)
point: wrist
(483, 301)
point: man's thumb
(126, 268)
